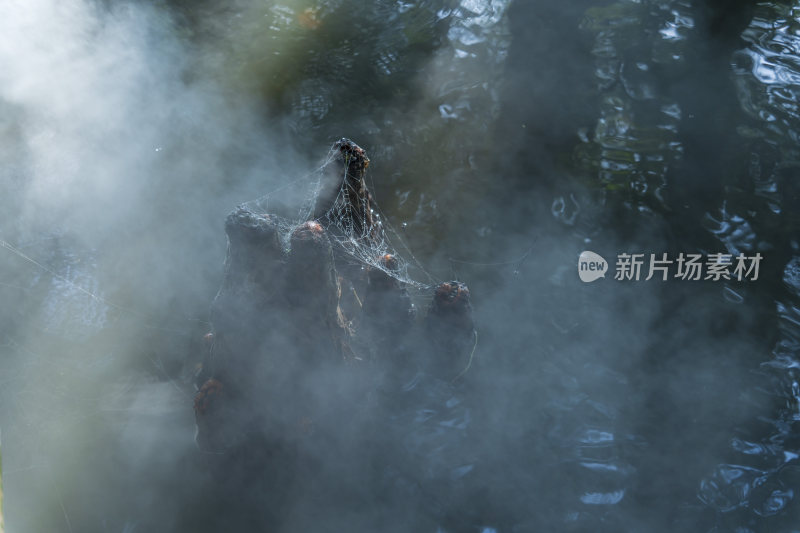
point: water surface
(505, 138)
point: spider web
(361, 235)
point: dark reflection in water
(677, 138)
(506, 138)
(634, 142)
(762, 479)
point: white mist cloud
(105, 116)
(86, 90)
(113, 142)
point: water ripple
(635, 139)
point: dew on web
(362, 237)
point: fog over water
(505, 138)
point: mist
(504, 139)
(119, 168)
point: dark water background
(505, 138)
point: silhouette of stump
(292, 305)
